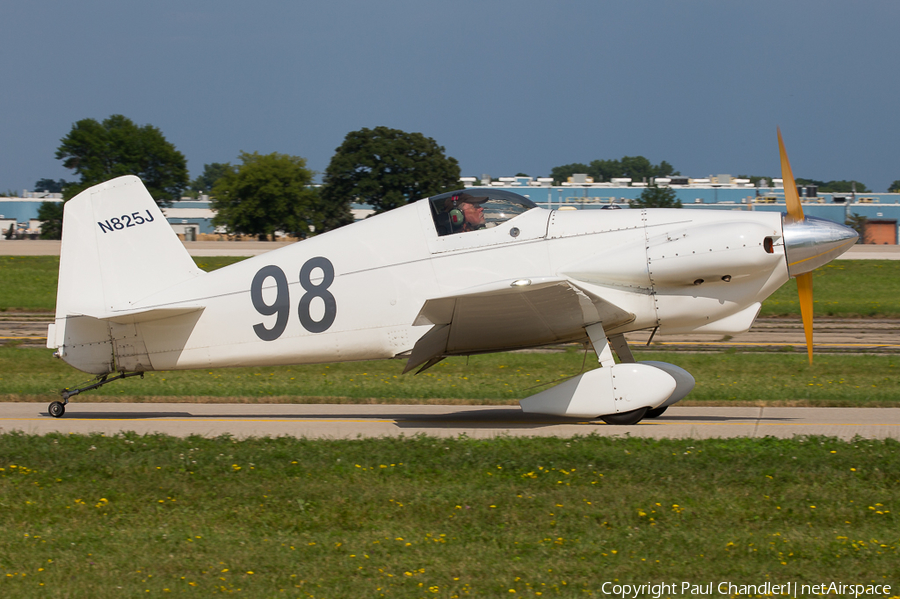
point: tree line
(263, 193)
(636, 168)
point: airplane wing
(509, 315)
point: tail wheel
(625, 418)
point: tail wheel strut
(58, 408)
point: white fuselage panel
(354, 293)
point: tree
(561, 174)
(664, 169)
(211, 173)
(654, 196)
(50, 186)
(332, 213)
(637, 168)
(387, 168)
(605, 170)
(101, 151)
(264, 194)
(834, 186)
(859, 224)
(51, 213)
(895, 187)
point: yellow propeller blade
(791, 197)
(804, 290)
(804, 281)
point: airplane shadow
(492, 418)
(487, 418)
(121, 415)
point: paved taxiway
(348, 421)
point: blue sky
(504, 86)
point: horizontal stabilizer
(145, 315)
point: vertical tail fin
(117, 248)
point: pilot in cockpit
(465, 211)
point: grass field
(722, 378)
(845, 288)
(842, 288)
(129, 515)
(421, 517)
(28, 283)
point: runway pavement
(347, 421)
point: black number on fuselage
(281, 305)
(314, 291)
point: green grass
(843, 288)
(215, 262)
(28, 283)
(129, 515)
(722, 378)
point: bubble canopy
(499, 205)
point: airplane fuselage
(353, 293)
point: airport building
(192, 219)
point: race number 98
(280, 306)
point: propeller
(804, 280)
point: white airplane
(461, 273)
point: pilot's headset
(457, 218)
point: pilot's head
(465, 209)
